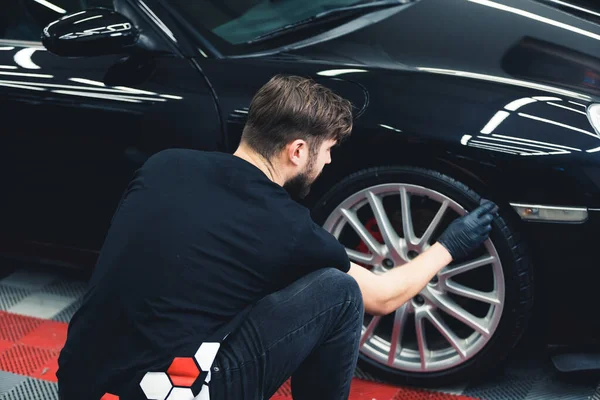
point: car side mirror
(91, 32)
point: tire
(512, 268)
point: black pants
(309, 331)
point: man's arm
(382, 294)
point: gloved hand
(468, 232)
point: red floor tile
(364, 390)
(49, 335)
(48, 371)
(13, 327)
(280, 397)
(417, 394)
(5, 345)
(285, 391)
(25, 360)
(360, 390)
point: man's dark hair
(291, 107)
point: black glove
(468, 232)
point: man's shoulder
(298, 218)
(175, 159)
(181, 154)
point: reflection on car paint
(566, 108)
(513, 145)
(389, 127)
(336, 72)
(51, 6)
(495, 121)
(93, 89)
(26, 74)
(157, 21)
(23, 58)
(508, 81)
(115, 29)
(573, 6)
(536, 17)
(549, 121)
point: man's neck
(259, 162)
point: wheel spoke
(464, 291)
(467, 266)
(407, 225)
(370, 330)
(400, 317)
(390, 237)
(434, 224)
(447, 333)
(421, 340)
(359, 257)
(449, 306)
(373, 245)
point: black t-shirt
(197, 239)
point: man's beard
(299, 186)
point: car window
(25, 19)
(238, 21)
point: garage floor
(37, 302)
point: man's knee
(342, 286)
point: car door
(76, 129)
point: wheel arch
(363, 153)
(479, 176)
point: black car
(454, 100)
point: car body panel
(436, 93)
(78, 141)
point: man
(210, 262)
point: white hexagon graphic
(156, 385)
(207, 380)
(181, 394)
(206, 355)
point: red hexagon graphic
(183, 371)
(108, 396)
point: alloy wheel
(456, 314)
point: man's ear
(297, 152)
